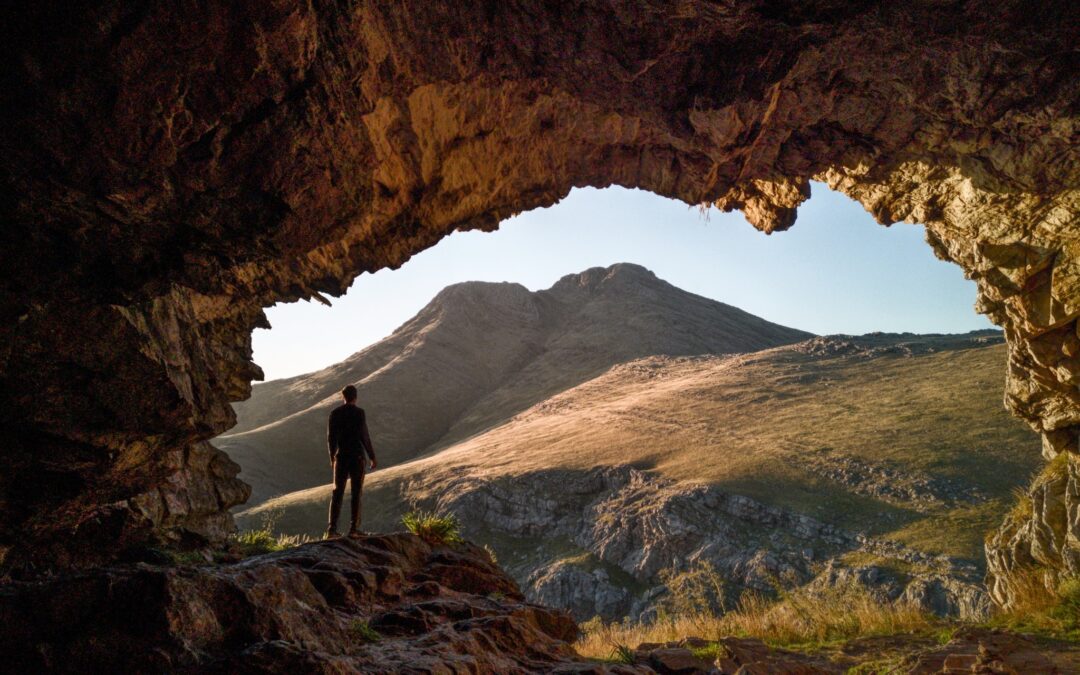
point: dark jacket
(347, 433)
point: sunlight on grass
(801, 618)
(264, 539)
(432, 527)
(1041, 608)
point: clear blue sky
(835, 271)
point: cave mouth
(178, 174)
(874, 429)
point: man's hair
(349, 393)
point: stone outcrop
(378, 604)
(1040, 538)
(165, 173)
(607, 539)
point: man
(348, 441)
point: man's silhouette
(348, 441)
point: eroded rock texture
(169, 170)
(390, 604)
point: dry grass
(801, 618)
(1041, 607)
(1055, 470)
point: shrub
(432, 527)
(363, 631)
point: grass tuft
(621, 653)
(264, 539)
(1055, 470)
(432, 527)
(363, 631)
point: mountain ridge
(475, 355)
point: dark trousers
(347, 469)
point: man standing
(348, 441)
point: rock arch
(167, 172)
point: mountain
(473, 358)
(879, 458)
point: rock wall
(1038, 542)
(167, 171)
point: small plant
(709, 652)
(622, 654)
(188, 557)
(264, 540)
(363, 631)
(945, 635)
(497, 596)
(491, 554)
(432, 527)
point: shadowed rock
(308, 609)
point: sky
(835, 271)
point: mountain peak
(594, 277)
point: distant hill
(477, 355)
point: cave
(169, 172)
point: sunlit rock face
(167, 172)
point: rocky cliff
(167, 172)
(605, 541)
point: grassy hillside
(902, 437)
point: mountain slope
(899, 438)
(475, 356)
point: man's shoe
(354, 534)
(332, 534)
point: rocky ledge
(395, 604)
(390, 603)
